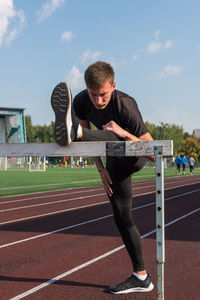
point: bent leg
(91, 135)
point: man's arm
(105, 177)
(147, 137)
(127, 136)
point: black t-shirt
(122, 109)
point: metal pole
(44, 165)
(6, 163)
(160, 223)
(30, 162)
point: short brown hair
(98, 73)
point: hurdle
(161, 149)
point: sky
(153, 46)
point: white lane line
(30, 186)
(52, 213)
(66, 194)
(84, 265)
(80, 207)
(57, 201)
(55, 231)
(51, 196)
(61, 183)
(68, 227)
(169, 179)
(88, 222)
(43, 192)
(53, 202)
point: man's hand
(120, 132)
(106, 180)
(112, 126)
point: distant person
(184, 161)
(191, 164)
(178, 163)
(117, 117)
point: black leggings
(120, 170)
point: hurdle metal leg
(160, 223)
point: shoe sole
(61, 105)
(136, 290)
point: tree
(167, 131)
(39, 133)
(191, 147)
(30, 130)
(152, 128)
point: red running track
(64, 244)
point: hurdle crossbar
(86, 149)
(160, 149)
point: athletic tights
(120, 170)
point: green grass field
(14, 182)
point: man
(117, 118)
(191, 163)
(184, 161)
(178, 163)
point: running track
(64, 244)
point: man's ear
(114, 85)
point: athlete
(117, 118)
(191, 164)
(184, 161)
(178, 163)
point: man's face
(101, 97)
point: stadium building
(12, 125)
(197, 132)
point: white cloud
(198, 47)
(170, 70)
(16, 31)
(168, 44)
(48, 8)
(67, 36)
(157, 46)
(89, 56)
(75, 79)
(154, 47)
(157, 33)
(135, 57)
(12, 35)
(8, 16)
